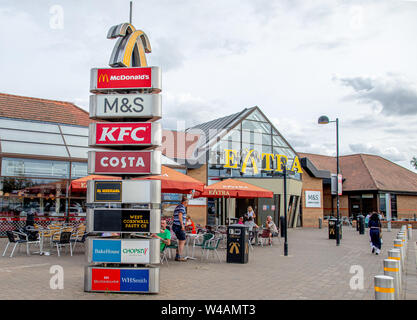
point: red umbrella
(173, 181)
(235, 189)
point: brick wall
(311, 215)
(406, 206)
(343, 204)
(198, 213)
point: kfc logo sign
(124, 162)
(125, 134)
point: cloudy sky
(295, 59)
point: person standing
(375, 233)
(178, 226)
(251, 213)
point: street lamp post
(325, 120)
(285, 210)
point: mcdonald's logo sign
(130, 48)
(103, 78)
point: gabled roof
(19, 107)
(367, 172)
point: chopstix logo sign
(119, 78)
(135, 252)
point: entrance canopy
(231, 188)
(81, 183)
(173, 181)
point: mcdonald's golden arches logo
(103, 78)
(130, 48)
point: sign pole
(285, 210)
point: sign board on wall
(124, 220)
(125, 134)
(132, 191)
(313, 199)
(108, 79)
(102, 279)
(124, 162)
(118, 106)
(198, 202)
(140, 251)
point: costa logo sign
(109, 79)
(116, 106)
(124, 162)
(125, 134)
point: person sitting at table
(270, 225)
(250, 224)
(240, 221)
(164, 235)
(189, 225)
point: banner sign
(132, 191)
(127, 106)
(124, 220)
(140, 280)
(124, 162)
(339, 184)
(137, 251)
(125, 134)
(313, 199)
(109, 79)
(107, 191)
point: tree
(414, 162)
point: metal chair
(265, 236)
(212, 245)
(18, 238)
(203, 238)
(64, 240)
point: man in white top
(270, 225)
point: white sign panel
(135, 252)
(117, 106)
(198, 202)
(313, 199)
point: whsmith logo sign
(252, 159)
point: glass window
(257, 116)
(76, 140)
(34, 126)
(278, 141)
(6, 134)
(78, 170)
(233, 135)
(256, 126)
(34, 168)
(78, 152)
(33, 148)
(80, 131)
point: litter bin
(361, 223)
(332, 228)
(237, 244)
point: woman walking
(375, 233)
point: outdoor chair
(250, 239)
(201, 240)
(64, 241)
(212, 246)
(78, 237)
(18, 238)
(264, 237)
(164, 255)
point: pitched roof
(19, 107)
(367, 172)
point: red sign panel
(123, 162)
(115, 78)
(105, 279)
(123, 133)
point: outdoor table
(191, 237)
(41, 239)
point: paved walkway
(315, 269)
